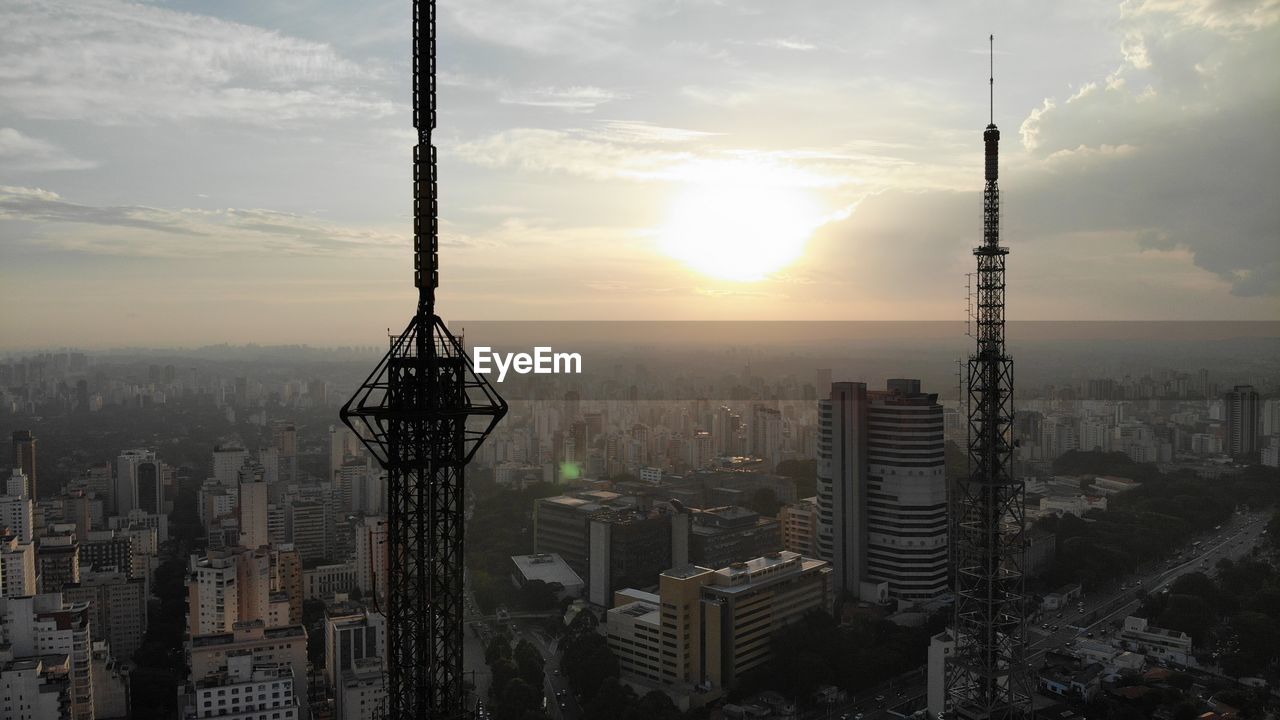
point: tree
(765, 502)
(529, 662)
(611, 700)
(587, 662)
(518, 698)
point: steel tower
(987, 676)
(413, 414)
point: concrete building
(560, 523)
(17, 509)
(1156, 643)
(18, 565)
(307, 528)
(323, 582)
(350, 635)
(106, 550)
(372, 566)
(725, 535)
(1242, 408)
(40, 625)
(628, 548)
(125, 495)
(286, 568)
(799, 523)
(361, 692)
(254, 531)
(58, 558)
(227, 459)
(766, 434)
(704, 628)
(118, 609)
(247, 690)
(24, 458)
(209, 654)
(882, 491)
(35, 688)
(228, 587)
(547, 568)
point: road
(1111, 605)
(1102, 609)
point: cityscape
(683, 477)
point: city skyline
(244, 181)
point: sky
(187, 173)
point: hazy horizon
(186, 174)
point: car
(1053, 628)
(1044, 626)
(879, 698)
(1059, 615)
(1089, 634)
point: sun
(739, 228)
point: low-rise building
(1159, 643)
(247, 690)
(549, 568)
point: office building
(882, 491)
(1242, 408)
(725, 535)
(705, 628)
(560, 523)
(107, 550)
(351, 634)
(227, 459)
(130, 472)
(766, 434)
(306, 525)
(628, 548)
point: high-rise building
(18, 565)
(46, 624)
(126, 492)
(1242, 408)
(118, 609)
(246, 690)
(721, 536)
(361, 690)
(210, 654)
(372, 560)
(307, 528)
(351, 634)
(254, 528)
(24, 458)
(227, 459)
(33, 688)
(228, 587)
(766, 434)
(58, 558)
(882, 491)
(17, 510)
(629, 547)
(800, 527)
(106, 550)
(287, 567)
(284, 438)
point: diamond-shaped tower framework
(423, 412)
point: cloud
(23, 152)
(788, 44)
(45, 220)
(584, 98)
(1177, 147)
(109, 62)
(545, 27)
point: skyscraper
(253, 506)
(24, 457)
(1242, 408)
(132, 467)
(882, 491)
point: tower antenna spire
(991, 79)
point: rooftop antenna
(991, 78)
